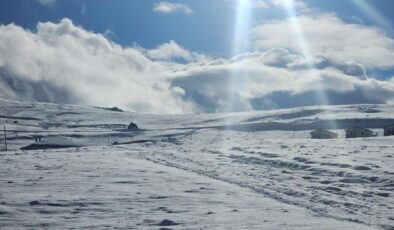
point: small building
(355, 132)
(323, 134)
(389, 130)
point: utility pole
(5, 139)
(293, 131)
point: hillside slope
(240, 170)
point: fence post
(5, 139)
(293, 131)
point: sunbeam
(297, 30)
(241, 43)
(304, 47)
(242, 26)
(302, 42)
(372, 13)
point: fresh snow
(254, 170)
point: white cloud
(260, 4)
(61, 62)
(168, 51)
(329, 35)
(289, 3)
(88, 68)
(266, 4)
(261, 74)
(356, 19)
(109, 33)
(47, 2)
(168, 7)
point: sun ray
(241, 43)
(242, 27)
(302, 41)
(372, 13)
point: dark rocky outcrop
(132, 127)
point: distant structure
(37, 138)
(115, 109)
(389, 130)
(323, 134)
(355, 132)
(132, 127)
(53, 142)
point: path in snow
(105, 188)
(344, 179)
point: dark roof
(359, 128)
(322, 130)
(389, 126)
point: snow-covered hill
(196, 171)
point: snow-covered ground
(255, 170)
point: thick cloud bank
(329, 35)
(86, 66)
(64, 63)
(262, 79)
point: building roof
(389, 126)
(359, 128)
(322, 131)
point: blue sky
(206, 30)
(211, 56)
(133, 21)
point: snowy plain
(252, 170)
